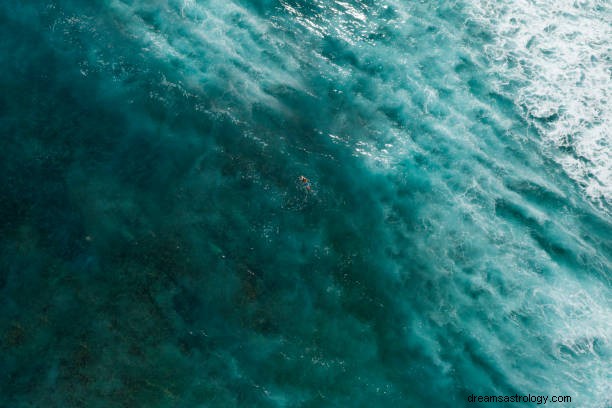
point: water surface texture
(157, 248)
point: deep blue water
(158, 249)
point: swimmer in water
(305, 182)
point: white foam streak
(558, 52)
(212, 33)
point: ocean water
(157, 248)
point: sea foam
(557, 54)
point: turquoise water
(158, 248)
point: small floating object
(305, 183)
